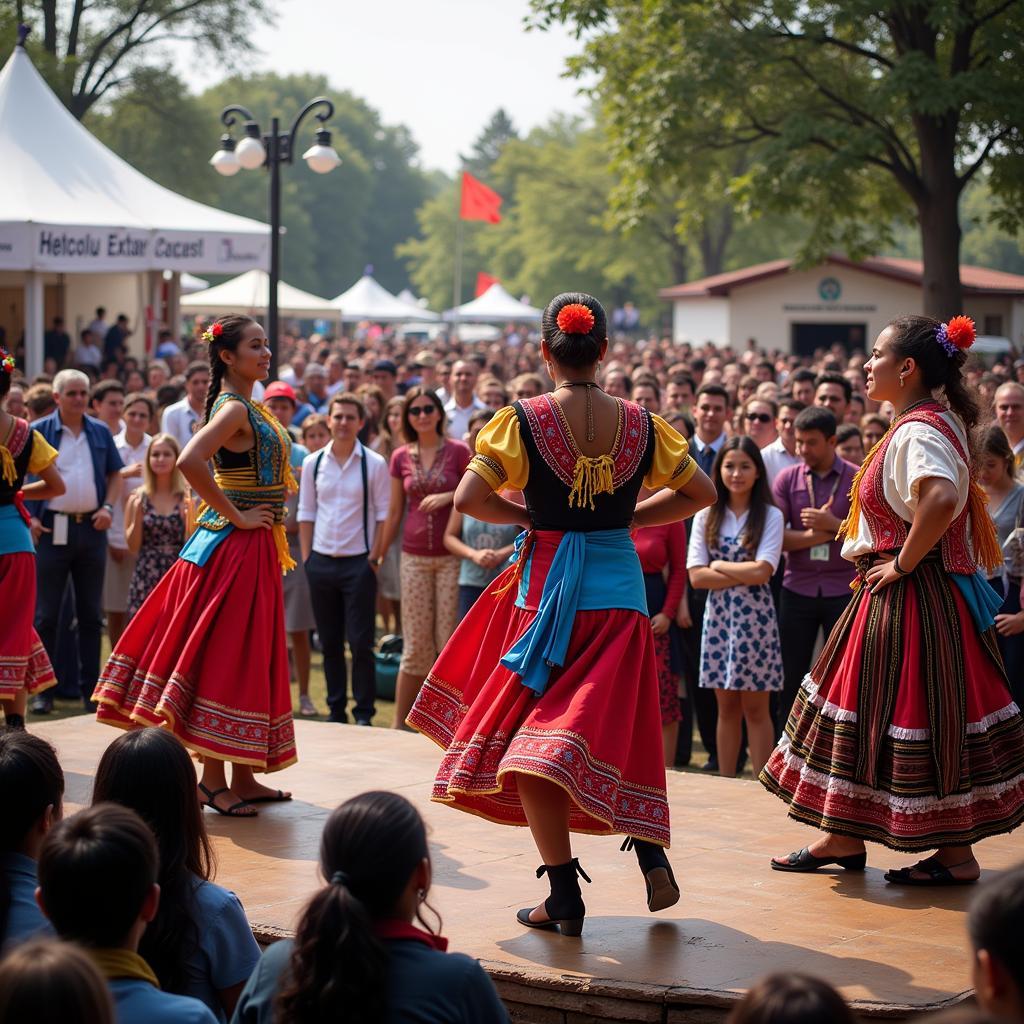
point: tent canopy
(250, 292)
(368, 300)
(494, 306)
(70, 204)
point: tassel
(983, 532)
(7, 470)
(519, 567)
(284, 556)
(849, 524)
(290, 483)
(592, 477)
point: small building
(839, 300)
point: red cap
(279, 389)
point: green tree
(859, 113)
(496, 134)
(90, 49)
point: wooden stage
(892, 952)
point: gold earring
(902, 381)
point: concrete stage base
(892, 952)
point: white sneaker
(307, 707)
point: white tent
(407, 296)
(68, 205)
(368, 300)
(189, 283)
(250, 292)
(494, 306)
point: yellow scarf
(123, 963)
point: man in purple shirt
(814, 498)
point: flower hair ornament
(6, 362)
(212, 332)
(956, 335)
(575, 318)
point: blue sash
(589, 572)
(981, 598)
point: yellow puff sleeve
(500, 458)
(672, 466)
(43, 453)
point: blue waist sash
(203, 543)
(981, 597)
(15, 537)
(589, 572)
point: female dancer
(905, 733)
(206, 654)
(24, 665)
(546, 697)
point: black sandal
(278, 796)
(937, 872)
(230, 812)
(803, 861)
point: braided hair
(575, 348)
(232, 327)
(914, 337)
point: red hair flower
(212, 332)
(575, 319)
(957, 335)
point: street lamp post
(271, 150)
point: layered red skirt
(595, 731)
(205, 655)
(24, 664)
(904, 732)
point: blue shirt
(479, 536)
(105, 458)
(227, 952)
(425, 986)
(24, 918)
(138, 1002)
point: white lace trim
(827, 708)
(988, 721)
(903, 804)
(898, 732)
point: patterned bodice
(553, 454)
(15, 453)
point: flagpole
(457, 281)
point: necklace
(912, 407)
(588, 384)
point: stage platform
(892, 952)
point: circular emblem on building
(830, 289)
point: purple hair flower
(942, 337)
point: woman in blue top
(357, 956)
(33, 787)
(199, 944)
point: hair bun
(575, 318)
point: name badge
(820, 553)
(60, 529)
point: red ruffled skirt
(205, 655)
(24, 664)
(904, 732)
(595, 731)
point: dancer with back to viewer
(905, 733)
(546, 697)
(205, 654)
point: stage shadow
(704, 955)
(870, 886)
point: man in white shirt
(463, 401)
(781, 453)
(181, 419)
(343, 501)
(1009, 405)
(99, 326)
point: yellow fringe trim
(591, 477)
(7, 470)
(284, 556)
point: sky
(440, 67)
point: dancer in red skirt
(905, 733)
(205, 654)
(24, 665)
(546, 697)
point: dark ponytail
(574, 349)
(232, 327)
(914, 337)
(371, 846)
(31, 780)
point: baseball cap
(424, 358)
(279, 389)
(385, 365)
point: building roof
(975, 280)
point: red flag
(483, 282)
(478, 201)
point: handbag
(386, 659)
(1013, 547)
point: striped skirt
(904, 732)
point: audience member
(115, 340)
(802, 386)
(88, 353)
(872, 427)
(315, 432)
(357, 954)
(385, 376)
(995, 924)
(759, 418)
(57, 343)
(1009, 404)
(462, 401)
(791, 999)
(781, 453)
(850, 444)
(832, 391)
(180, 419)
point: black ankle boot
(15, 723)
(662, 891)
(564, 906)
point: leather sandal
(662, 890)
(564, 907)
(937, 872)
(278, 796)
(803, 861)
(228, 812)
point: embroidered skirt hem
(24, 664)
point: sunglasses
(421, 410)
(759, 417)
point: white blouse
(769, 550)
(916, 452)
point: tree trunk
(50, 26)
(714, 239)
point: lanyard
(809, 480)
